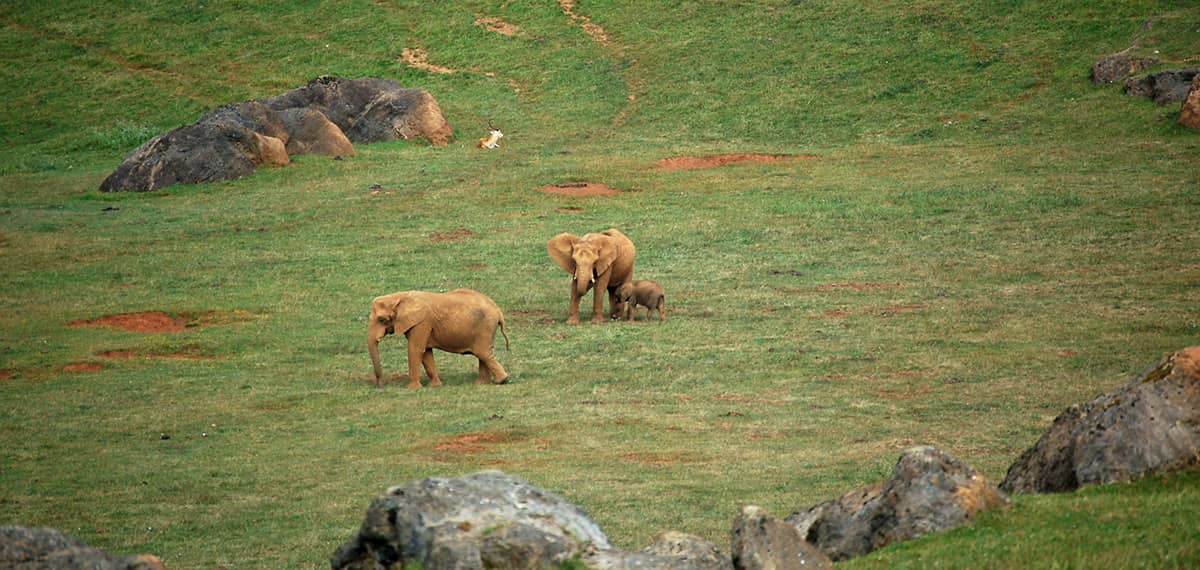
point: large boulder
(370, 109)
(311, 132)
(486, 520)
(225, 143)
(24, 548)
(928, 491)
(1189, 113)
(322, 117)
(763, 542)
(1150, 424)
(1163, 87)
(671, 550)
(1119, 66)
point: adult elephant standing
(461, 321)
(602, 260)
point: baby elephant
(644, 292)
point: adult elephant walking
(602, 260)
(461, 321)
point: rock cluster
(324, 117)
(1118, 67)
(928, 491)
(1169, 86)
(24, 548)
(1150, 424)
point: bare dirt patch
(149, 321)
(419, 58)
(592, 29)
(579, 189)
(493, 24)
(477, 442)
(5, 374)
(453, 235)
(83, 367)
(715, 160)
(569, 210)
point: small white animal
(492, 140)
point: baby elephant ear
(560, 247)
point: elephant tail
(505, 333)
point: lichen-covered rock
(763, 542)
(370, 109)
(928, 491)
(225, 143)
(671, 550)
(1118, 67)
(1189, 113)
(1150, 424)
(1163, 87)
(486, 520)
(24, 548)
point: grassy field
(980, 239)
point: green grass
(984, 239)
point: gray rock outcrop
(324, 117)
(928, 491)
(485, 520)
(1119, 66)
(1170, 86)
(763, 542)
(1150, 424)
(1189, 113)
(370, 109)
(671, 550)
(226, 143)
(23, 548)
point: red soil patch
(579, 189)
(454, 235)
(5, 374)
(472, 442)
(714, 160)
(83, 367)
(150, 321)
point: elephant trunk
(373, 348)
(584, 279)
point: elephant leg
(615, 306)
(598, 299)
(418, 339)
(573, 311)
(489, 364)
(484, 374)
(431, 368)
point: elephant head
(584, 258)
(392, 314)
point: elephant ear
(606, 250)
(560, 247)
(409, 311)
